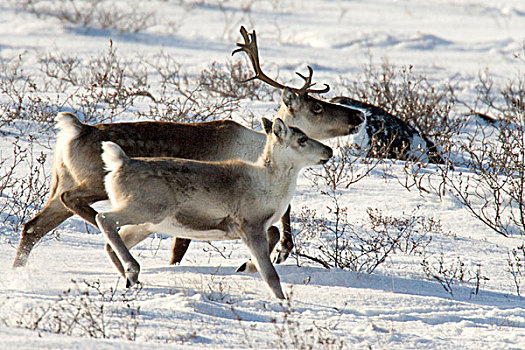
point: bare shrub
(87, 310)
(420, 178)
(422, 103)
(487, 155)
(516, 266)
(21, 196)
(492, 185)
(105, 86)
(19, 97)
(338, 173)
(427, 106)
(91, 14)
(347, 167)
(231, 80)
(101, 88)
(212, 249)
(506, 103)
(235, 17)
(449, 274)
(334, 242)
(215, 94)
(361, 248)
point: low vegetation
(482, 141)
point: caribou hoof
(247, 267)
(132, 278)
(130, 282)
(280, 254)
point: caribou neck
(270, 160)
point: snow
(203, 303)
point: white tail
(113, 156)
(68, 124)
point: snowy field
(460, 287)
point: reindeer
(319, 119)
(78, 170)
(231, 199)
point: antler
(251, 49)
(308, 84)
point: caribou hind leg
(53, 214)
(181, 245)
(178, 250)
(65, 200)
(285, 246)
(78, 200)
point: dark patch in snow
(387, 136)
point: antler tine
(251, 49)
(305, 89)
(307, 80)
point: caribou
(78, 171)
(231, 199)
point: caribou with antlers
(78, 171)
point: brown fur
(78, 171)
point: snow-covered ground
(203, 303)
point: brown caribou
(78, 171)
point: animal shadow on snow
(300, 275)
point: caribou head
(318, 118)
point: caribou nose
(329, 153)
(355, 119)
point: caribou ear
(267, 125)
(289, 97)
(280, 129)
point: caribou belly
(172, 227)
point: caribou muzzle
(329, 153)
(356, 119)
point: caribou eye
(317, 108)
(303, 140)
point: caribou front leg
(179, 248)
(284, 248)
(273, 237)
(281, 251)
(257, 243)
